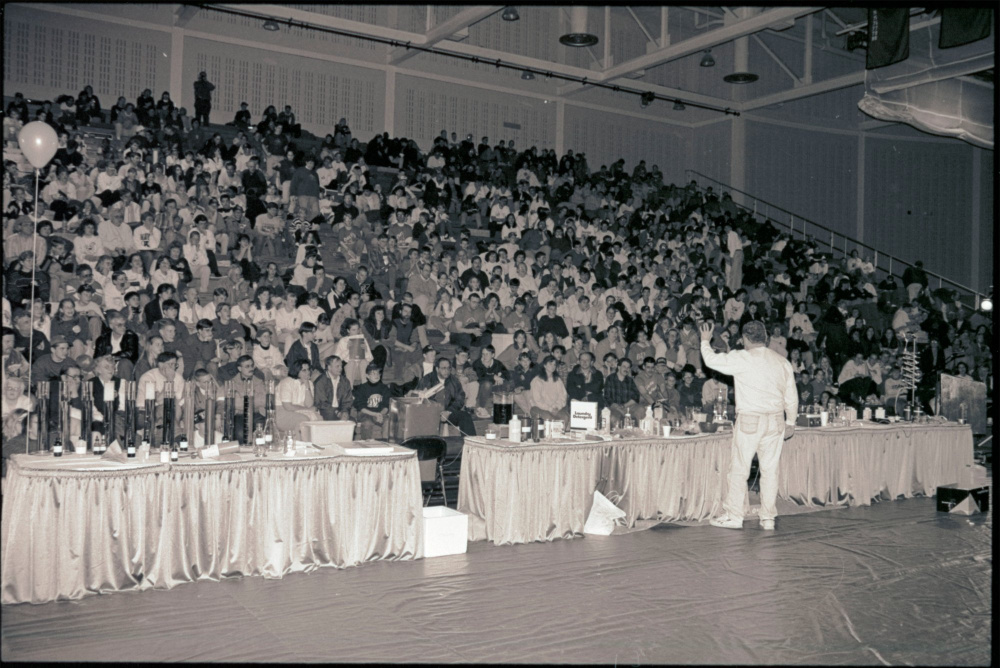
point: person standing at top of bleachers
(203, 98)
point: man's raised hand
(706, 331)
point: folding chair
(430, 457)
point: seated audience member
(491, 374)
(267, 356)
(620, 393)
(651, 383)
(371, 405)
(585, 382)
(121, 343)
(305, 348)
(294, 399)
(50, 366)
(165, 371)
(451, 396)
(334, 393)
(548, 394)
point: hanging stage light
(510, 14)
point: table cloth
(520, 493)
(80, 525)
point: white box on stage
(446, 531)
(329, 431)
(583, 415)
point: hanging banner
(888, 37)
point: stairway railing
(839, 243)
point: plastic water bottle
(514, 427)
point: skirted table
(81, 525)
(521, 493)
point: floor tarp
(895, 583)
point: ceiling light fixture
(578, 35)
(647, 99)
(271, 26)
(741, 68)
(679, 106)
(527, 76)
(707, 60)
(510, 14)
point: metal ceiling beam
(807, 64)
(570, 89)
(708, 40)
(702, 10)
(836, 83)
(536, 64)
(641, 26)
(281, 13)
(787, 70)
(913, 12)
(832, 50)
(441, 32)
(836, 19)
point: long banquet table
(521, 493)
(80, 525)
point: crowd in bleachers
(352, 273)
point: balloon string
(31, 310)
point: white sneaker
(767, 525)
(726, 522)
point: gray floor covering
(891, 584)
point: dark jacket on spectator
(579, 389)
(323, 398)
(129, 347)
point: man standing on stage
(765, 392)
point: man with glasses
(451, 396)
(248, 379)
(120, 343)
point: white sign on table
(583, 415)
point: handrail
(975, 295)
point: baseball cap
(57, 339)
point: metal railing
(838, 243)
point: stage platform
(895, 583)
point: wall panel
(711, 151)
(986, 221)
(812, 174)
(320, 92)
(48, 54)
(920, 203)
(605, 137)
(424, 107)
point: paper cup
(666, 431)
(824, 418)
